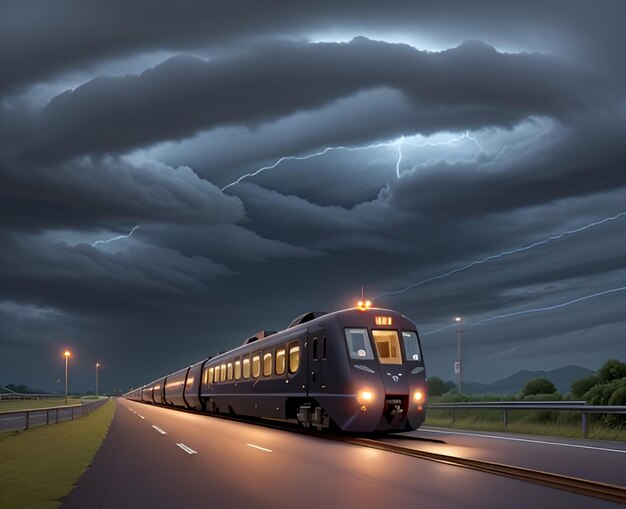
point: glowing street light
(67, 355)
(98, 366)
(457, 366)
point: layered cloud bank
(367, 162)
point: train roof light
(363, 305)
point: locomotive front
(378, 382)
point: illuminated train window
(387, 346)
(237, 369)
(210, 376)
(256, 365)
(229, 371)
(246, 367)
(281, 353)
(294, 356)
(267, 364)
(222, 372)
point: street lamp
(98, 365)
(66, 354)
(457, 367)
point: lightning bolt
(385, 144)
(399, 156)
(550, 308)
(502, 254)
(119, 237)
(532, 310)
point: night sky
(456, 159)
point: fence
(557, 406)
(25, 419)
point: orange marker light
(368, 303)
(383, 320)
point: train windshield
(387, 346)
(359, 344)
(411, 346)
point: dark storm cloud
(468, 86)
(206, 269)
(98, 192)
(86, 278)
(38, 42)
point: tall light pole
(458, 367)
(66, 354)
(98, 365)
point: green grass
(557, 424)
(30, 404)
(40, 466)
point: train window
(222, 372)
(246, 367)
(294, 356)
(359, 344)
(237, 369)
(210, 377)
(281, 352)
(387, 346)
(189, 382)
(229, 372)
(411, 346)
(256, 365)
(314, 347)
(324, 348)
(267, 363)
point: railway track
(594, 489)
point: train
(356, 370)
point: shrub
(581, 386)
(612, 370)
(539, 385)
(436, 386)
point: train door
(316, 360)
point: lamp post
(458, 367)
(98, 365)
(66, 354)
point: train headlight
(418, 397)
(365, 397)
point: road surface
(157, 458)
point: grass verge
(31, 404)
(40, 466)
(548, 425)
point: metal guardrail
(25, 419)
(12, 396)
(556, 406)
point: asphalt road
(158, 458)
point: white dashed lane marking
(259, 448)
(159, 430)
(187, 449)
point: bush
(612, 370)
(581, 386)
(539, 385)
(554, 396)
(611, 393)
(436, 386)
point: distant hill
(562, 378)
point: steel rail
(585, 487)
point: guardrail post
(57, 416)
(453, 416)
(47, 416)
(72, 413)
(27, 418)
(505, 417)
(585, 425)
